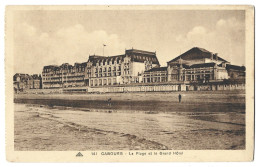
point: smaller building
(37, 81)
(236, 72)
(25, 81)
(157, 74)
(64, 76)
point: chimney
(211, 56)
(216, 56)
(223, 64)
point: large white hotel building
(138, 66)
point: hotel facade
(63, 76)
(141, 67)
(121, 69)
(100, 70)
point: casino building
(195, 65)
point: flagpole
(104, 49)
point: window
(114, 81)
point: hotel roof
(157, 69)
(197, 53)
(134, 54)
(202, 65)
(234, 67)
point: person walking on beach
(109, 101)
(179, 98)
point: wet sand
(44, 132)
(152, 122)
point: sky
(53, 37)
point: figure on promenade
(179, 98)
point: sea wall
(42, 91)
(140, 88)
(165, 88)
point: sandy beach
(133, 121)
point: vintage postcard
(129, 83)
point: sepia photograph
(119, 80)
